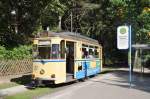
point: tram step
(69, 74)
(69, 77)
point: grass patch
(23, 80)
(31, 94)
(7, 85)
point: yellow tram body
(62, 57)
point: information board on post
(123, 37)
(124, 42)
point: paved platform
(107, 86)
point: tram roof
(68, 35)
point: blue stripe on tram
(46, 61)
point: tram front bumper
(51, 78)
(44, 78)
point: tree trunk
(59, 25)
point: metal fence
(9, 68)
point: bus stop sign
(123, 37)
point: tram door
(70, 52)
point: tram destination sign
(123, 37)
(44, 43)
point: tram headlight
(42, 71)
(53, 76)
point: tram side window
(84, 53)
(62, 48)
(91, 53)
(96, 54)
(55, 51)
(44, 52)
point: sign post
(124, 42)
(129, 57)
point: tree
(21, 19)
(97, 19)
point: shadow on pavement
(23, 80)
(121, 78)
(26, 80)
(139, 81)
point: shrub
(3, 52)
(21, 52)
(147, 63)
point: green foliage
(142, 35)
(146, 58)
(51, 12)
(7, 85)
(118, 2)
(31, 94)
(29, 16)
(2, 52)
(97, 19)
(21, 52)
(147, 63)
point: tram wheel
(38, 83)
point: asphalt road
(107, 86)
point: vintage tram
(65, 56)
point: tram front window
(44, 52)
